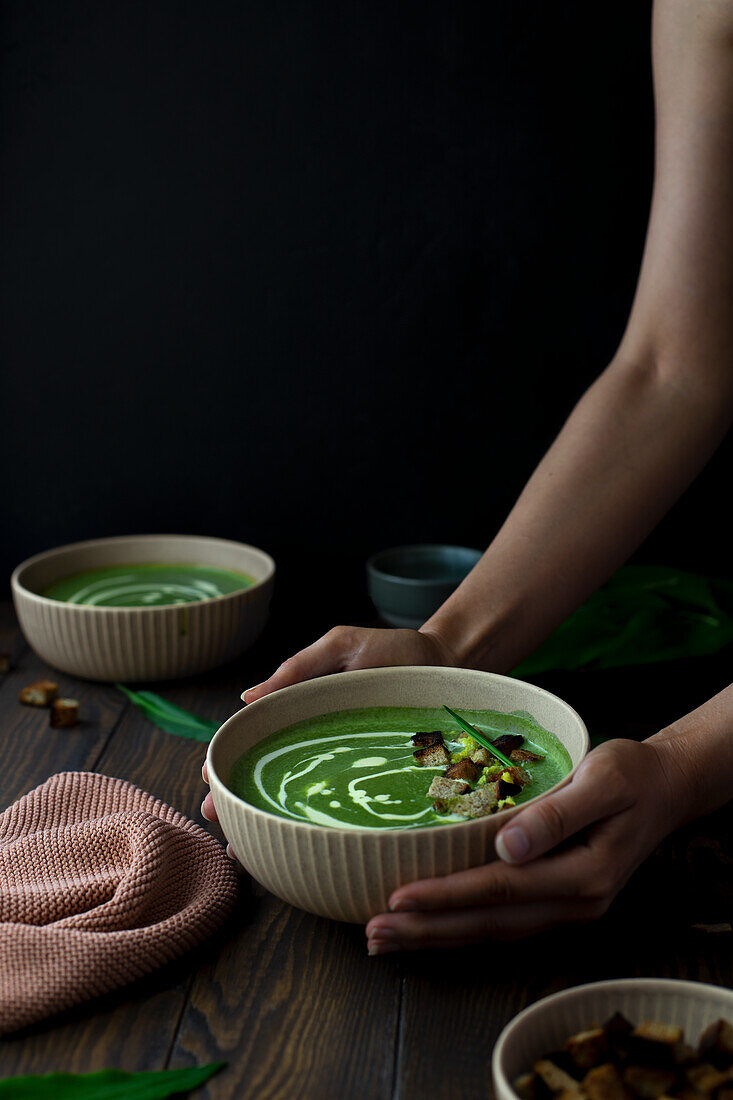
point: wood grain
(292, 1002)
(296, 1007)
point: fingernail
(382, 934)
(247, 690)
(230, 853)
(377, 948)
(203, 812)
(401, 903)
(512, 844)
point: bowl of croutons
(143, 607)
(630, 1039)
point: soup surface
(356, 769)
(146, 585)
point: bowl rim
(417, 582)
(476, 824)
(670, 985)
(19, 588)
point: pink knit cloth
(100, 883)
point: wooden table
(292, 1002)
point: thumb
(589, 797)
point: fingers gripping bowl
(349, 873)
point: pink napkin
(100, 883)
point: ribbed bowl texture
(348, 874)
(546, 1025)
(142, 643)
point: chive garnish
(479, 737)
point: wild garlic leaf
(644, 614)
(170, 718)
(108, 1084)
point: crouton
(588, 1048)
(656, 1044)
(424, 740)
(478, 803)
(716, 1043)
(605, 1083)
(64, 712)
(442, 788)
(39, 694)
(482, 757)
(4, 662)
(508, 742)
(524, 1086)
(432, 756)
(618, 1032)
(704, 1077)
(463, 769)
(524, 756)
(555, 1078)
(649, 1083)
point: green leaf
(643, 615)
(167, 716)
(473, 732)
(108, 1084)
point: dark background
(324, 277)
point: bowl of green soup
(143, 607)
(334, 792)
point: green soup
(147, 585)
(354, 769)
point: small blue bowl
(409, 583)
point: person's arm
(643, 430)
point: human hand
(623, 799)
(346, 648)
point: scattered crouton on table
(41, 693)
(64, 713)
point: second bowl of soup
(333, 792)
(143, 607)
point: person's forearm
(631, 446)
(697, 756)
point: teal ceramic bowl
(409, 583)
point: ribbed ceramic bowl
(142, 643)
(348, 874)
(407, 584)
(546, 1025)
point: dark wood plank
(296, 1007)
(30, 751)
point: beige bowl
(348, 874)
(142, 643)
(546, 1025)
